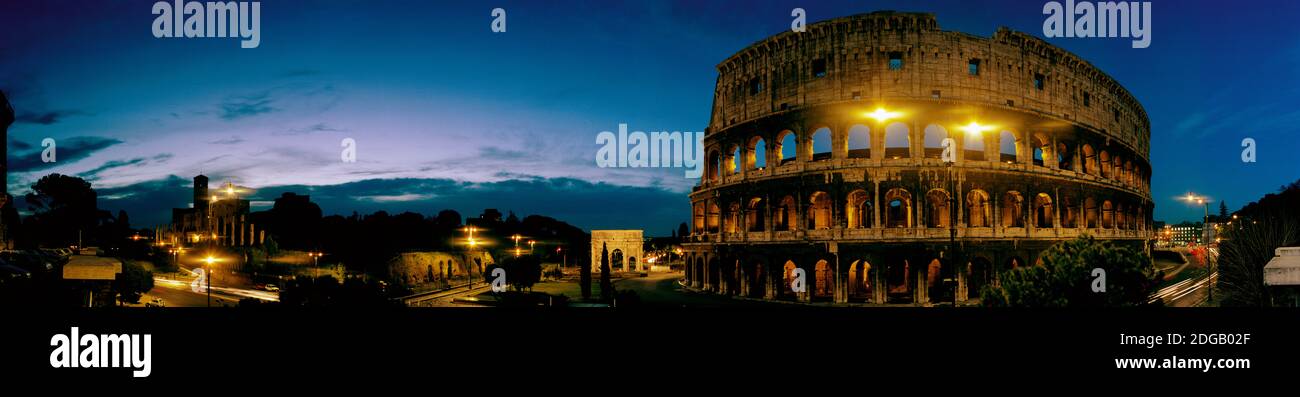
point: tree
(1066, 278)
(134, 281)
(523, 271)
(62, 208)
(1242, 257)
(683, 231)
(1223, 211)
(606, 289)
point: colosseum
(826, 153)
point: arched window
(934, 136)
(715, 218)
(785, 214)
(1013, 210)
(733, 160)
(1090, 212)
(1043, 214)
(1007, 147)
(820, 211)
(1107, 215)
(1089, 160)
(973, 146)
(937, 212)
(756, 153)
(858, 210)
(1042, 149)
(1105, 165)
(1063, 156)
(897, 143)
(1069, 212)
(697, 212)
(978, 210)
(733, 218)
(898, 208)
(787, 150)
(859, 142)
(754, 216)
(820, 142)
(715, 166)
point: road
(1190, 292)
(179, 293)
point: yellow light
(880, 114)
(975, 128)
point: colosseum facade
(825, 153)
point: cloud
(236, 107)
(45, 118)
(228, 141)
(68, 150)
(581, 203)
(314, 128)
(93, 174)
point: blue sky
(447, 114)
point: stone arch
(979, 273)
(714, 222)
(1013, 213)
(1064, 157)
(714, 165)
(1106, 166)
(1008, 147)
(1089, 160)
(973, 146)
(859, 142)
(755, 214)
(617, 261)
(733, 160)
(978, 209)
(1042, 149)
(898, 144)
(819, 144)
(1044, 214)
(858, 210)
(1107, 214)
(697, 217)
(1090, 213)
(934, 136)
(859, 282)
(898, 208)
(756, 153)
(784, 218)
(819, 211)
(787, 147)
(824, 279)
(733, 223)
(937, 213)
(1069, 211)
(788, 278)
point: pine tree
(606, 289)
(1223, 211)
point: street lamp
(531, 243)
(209, 260)
(315, 262)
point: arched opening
(1120, 222)
(755, 214)
(820, 211)
(715, 218)
(858, 210)
(1069, 212)
(937, 212)
(697, 218)
(785, 214)
(616, 259)
(859, 142)
(934, 136)
(1107, 215)
(1007, 147)
(733, 160)
(897, 143)
(758, 280)
(897, 281)
(1043, 214)
(787, 288)
(940, 281)
(820, 142)
(1042, 149)
(1064, 158)
(757, 153)
(1013, 210)
(631, 264)
(733, 224)
(1089, 160)
(973, 146)
(825, 280)
(1106, 167)
(786, 148)
(859, 282)
(1090, 212)
(715, 166)
(898, 208)
(978, 210)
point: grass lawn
(569, 289)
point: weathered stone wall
(420, 268)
